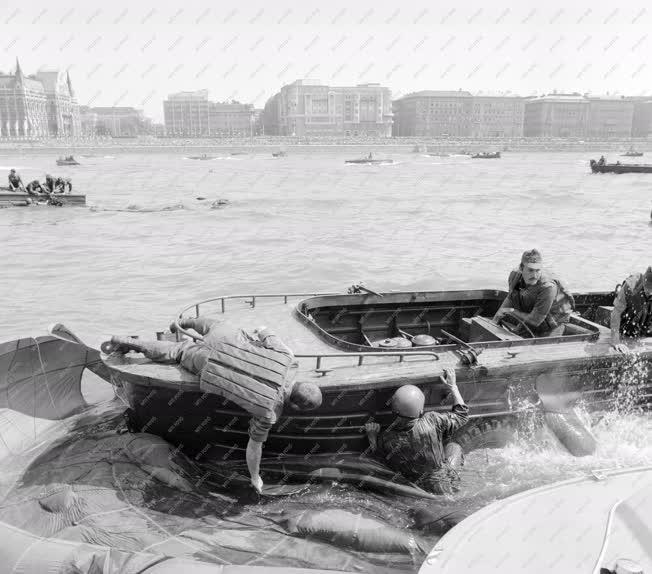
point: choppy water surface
(146, 246)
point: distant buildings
(40, 105)
(642, 117)
(114, 121)
(556, 116)
(310, 108)
(457, 114)
(190, 114)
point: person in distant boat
(370, 156)
(257, 372)
(537, 297)
(61, 185)
(602, 161)
(417, 444)
(15, 182)
(632, 313)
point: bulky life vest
(248, 374)
(564, 303)
(636, 320)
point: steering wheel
(512, 328)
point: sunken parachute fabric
(250, 375)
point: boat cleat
(323, 372)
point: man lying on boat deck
(417, 445)
(258, 373)
(632, 313)
(537, 298)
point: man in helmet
(537, 297)
(632, 313)
(415, 444)
(259, 376)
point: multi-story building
(191, 114)
(40, 105)
(641, 116)
(610, 117)
(556, 115)
(497, 116)
(433, 113)
(120, 121)
(310, 108)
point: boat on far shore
(279, 153)
(68, 160)
(618, 167)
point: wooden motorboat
(618, 167)
(70, 160)
(534, 528)
(21, 199)
(486, 155)
(337, 341)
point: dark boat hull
(64, 162)
(621, 168)
(20, 199)
(486, 156)
(371, 161)
(166, 400)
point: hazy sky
(136, 53)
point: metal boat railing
(252, 302)
(362, 356)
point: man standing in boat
(537, 298)
(632, 313)
(257, 372)
(416, 444)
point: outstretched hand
(257, 483)
(449, 378)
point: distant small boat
(238, 153)
(618, 167)
(69, 160)
(279, 154)
(438, 154)
(486, 155)
(631, 152)
(204, 157)
(369, 160)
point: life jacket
(563, 304)
(248, 374)
(636, 319)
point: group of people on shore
(416, 444)
(51, 185)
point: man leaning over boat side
(537, 297)
(257, 372)
(415, 444)
(632, 313)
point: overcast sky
(123, 53)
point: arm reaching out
(254, 454)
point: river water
(146, 246)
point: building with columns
(40, 105)
(310, 108)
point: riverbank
(264, 144)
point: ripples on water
(146, 247)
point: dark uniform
(14, 181)
(414, 447)
(548, 303)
